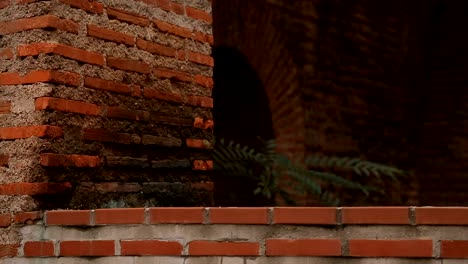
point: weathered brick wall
(105, 104)
(403, 235)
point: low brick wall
(239, 235)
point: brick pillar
(105, 104)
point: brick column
(105, 104)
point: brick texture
(89, 6)
(303, 247)
(37, 188)
(5, 220)
(46, 21)
(375, 215)
(71, 217)
(92, 248)
(111, 35)
(39, 249)
(213, 248)
(62, 160)
(390, 248)
(176, 215)
(115, 13)
(30, 131)
(238, 216)
(63, 50)
(150, 247)
(454, 249)
(286, 215)
(120, 216)
(65, 105)
(441, 216)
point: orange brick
(8, 250)
(305, 215)
(198, 122)
(155, 48)
(10, 78)
(28, 218)
(126, 16)
(107, 85)
(150, 248)
(156, 94)
(390, 248)
(375, 215)
(30, 131)
(442, 216)
(199, 58)
(5, 220)
(60, 77)
(303, 247)
(68, 217)
(130, 114)
(172, 74)
(39, 249)
(120, 216)
(62, 50)
(454, 249)
(46, 21)
(178, 215)
(200, 101)
(69, 160)
(92, 248)
(172, 29)
(111, 35)
(86, 5)
(202, 165)
(215, 248)
(5, 107)
(177, 8)
(4, 3)
(65, 105)
(204, 81)
(202, 37)
(109, 136)
(6, 53)
(128, 65)
(199, 14)
(198, 143)
(37, 188)
(208, 124)
(249, 215)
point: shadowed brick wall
(105, 104)
(390, 235)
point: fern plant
(275, 174)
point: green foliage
(275, 174)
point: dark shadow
(241, 114)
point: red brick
(172, 74)
(118, 187)
(199, 58)
(111, 35)
(200, 101)
(89, 248)
(64, 160)
(68, 217)
(8, 250)
(204, 81)
(28, 218)
(375, 215)
(202, 37)
(150, 248)
(172, 29)
(305, 215)
(199, 14)
(454, 249)
(65, 105)
(4, 159)
(62, 50)
(46, 21)
(198, 122)
(202, 165)
(303, 247)
(165, 96)
(198, 143)
(122, 15)
(130, 114)
(37, 188)
(215, 248)
(10, 78)
(442, 216)
(250, 215)
(120, 216)
(86, 5)
(4, 3)
(390, 248)
(5, 220)
(5, 107)
(178, 215)
(155, 48)
(60, 77)
(106, 85)
(109, 136)
(177, 8)
(6, 53)
(30, 131)
(128, 65)
(39, 249)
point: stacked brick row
(241, 235)
(105, 103)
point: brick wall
(105, 103)
(432, 235)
